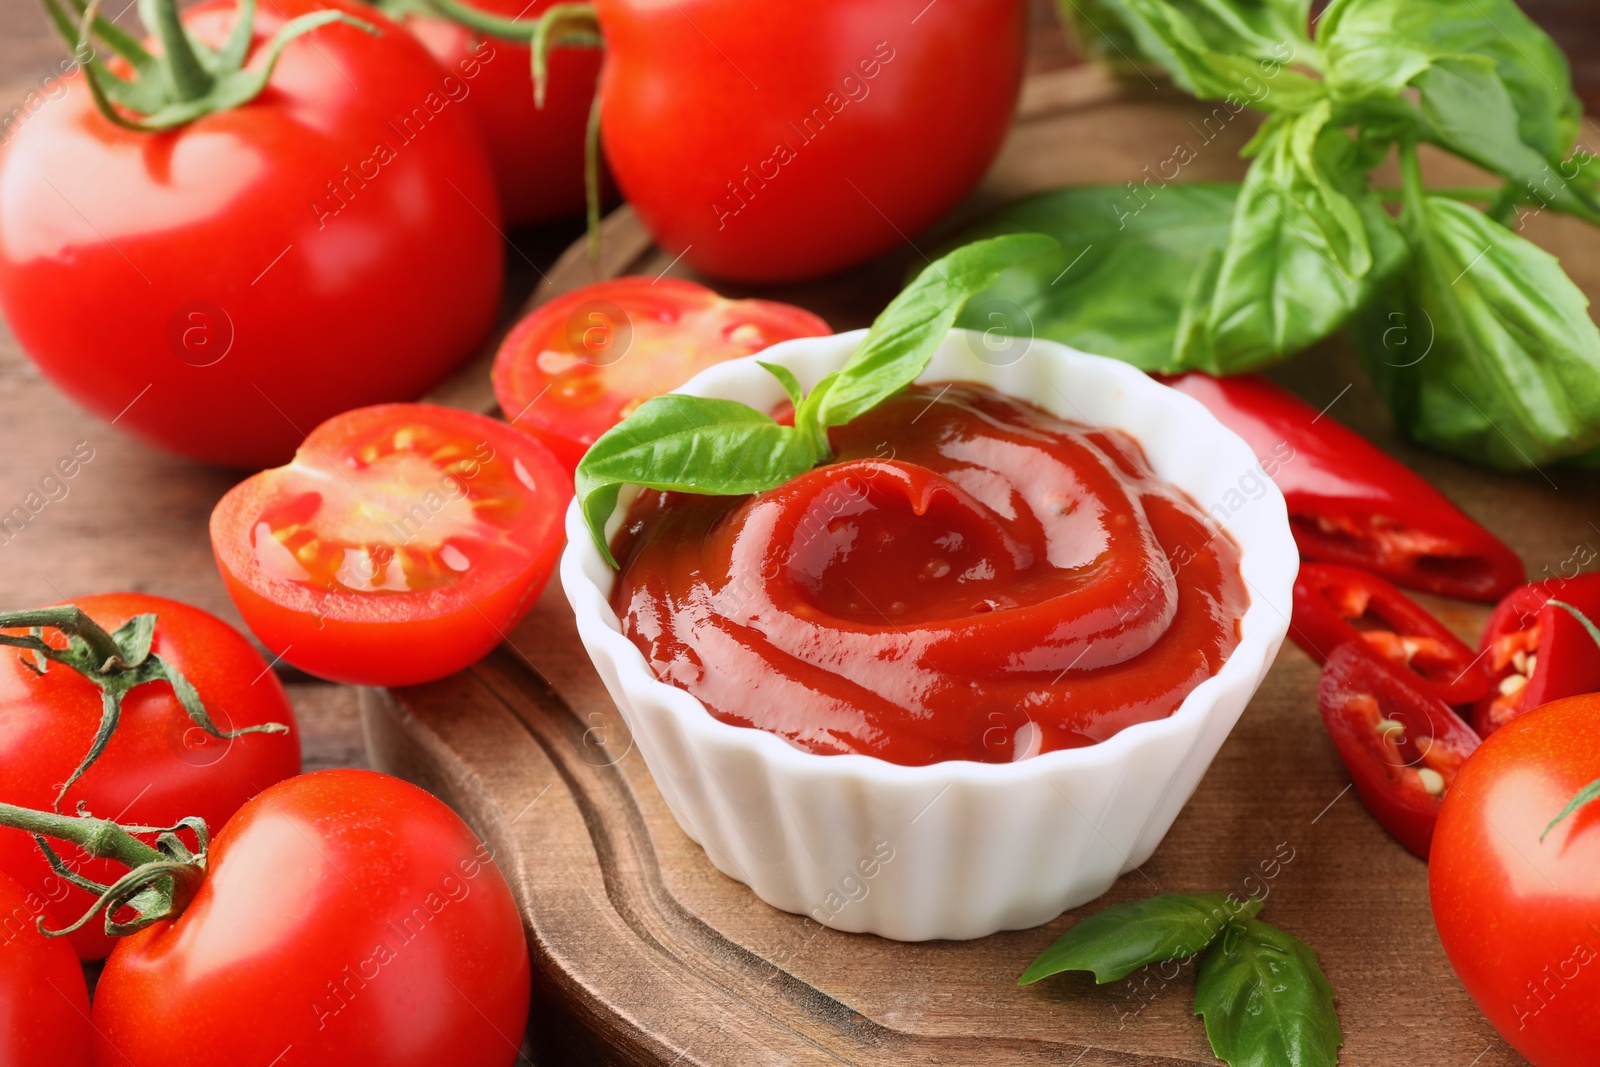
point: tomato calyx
(116, 663)
(159, 883)
(188, 78)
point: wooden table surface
(135, 519)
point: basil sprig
(1476, 339)
(1261, 992)
(692, 444)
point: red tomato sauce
(972, 579)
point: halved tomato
(579, 364)
(398, 546)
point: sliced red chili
(1535, 652)
(1402, 748)
(1334, 604)
(1351, 503)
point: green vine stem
(115, 663)
(188, 79)
(160, 880)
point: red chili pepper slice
(1535, 652)
(1402, 748)
(1353, 504)
(1333, 605)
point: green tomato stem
(188, 78)
(101, 838)
(69, 619)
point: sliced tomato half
(579, 364)
(399, 545)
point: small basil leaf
(688, 444)
(1380, 46)
(901, 341)
(786, 378)
(807, 417)
(1510, 374)
(1116, 941)
(1471, 113)
(1228, 49)
(1308, 243)
(1118, 285)
(1265, 1000)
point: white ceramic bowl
(956, 849)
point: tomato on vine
(341, 917)
(139, 708)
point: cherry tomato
(159, 767)
(579, 364)
(330, 244)
(770, 143)
(346, 917)
(537, 153)
(1520, 916)
(398, 546)
(44, 1003)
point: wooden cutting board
(645, 954)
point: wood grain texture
(648, 955)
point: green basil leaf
(1471, 113)
(786, 378)
(1509, 373)
(1228, 49)
(1118, 285)
(1102, 33)
(1308, 242)
(688, 444)
(1265, 1000)
(1380, 46)
(902, 339)
(1116, 941)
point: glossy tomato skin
(44, 1003)
(581, 362)
(1520, 918)
(330, 244)
(159, 767)
(537, 153)
(769, 143)
(396, 636)
(347, 915)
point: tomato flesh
(398, 546)
(584, 361)
(1518, 908)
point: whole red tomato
(159, 767)
(399, 546)
(44, 1004)
(1520, 916)
(346, 918)
(221, 288)
(537, 153)
(773, 142)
